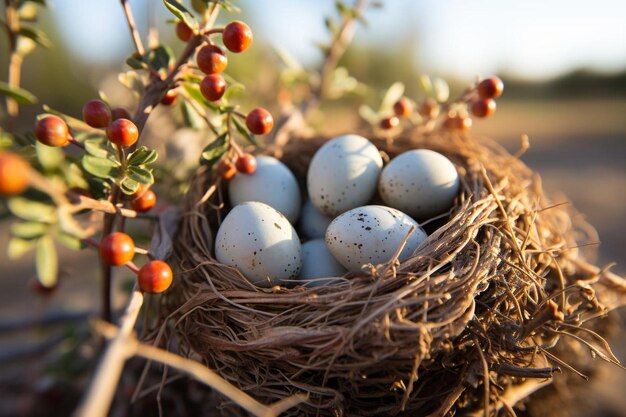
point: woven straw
(503, 287)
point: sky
(532, 39)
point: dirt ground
(579, 148)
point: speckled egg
(312, 224)
(371, 234)
(261, 243)
(421, 183)
(343, 174)
(272, 183)
(318, 262)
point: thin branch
(133, 28)
(15, 60)
(203, 374)
(98, 399)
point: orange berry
(483, 107)
(117, 249)
(403, 107)
(226, 170)
(237, 36)
(429, 108)
(389, 122)
(122, 132)
(169, 98)
(183, 31)
(144, 202)
(246, 163)
(213, 87)
(259, 121)
(211, 59)
(52, 131)
(96, 113)
(491, 87)
(13, 174)
(155, 277)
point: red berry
(169, 98)
(117, 249)
(226, 170)
(96, 113)
(52, 131)
(123, 132)
(389, 122)
(213, 87)
(120, 113)
(211, 59)
(490, 87)
(13, 174)
(246, 163)
(259, 121)
(237, 36)
(183, 31)
(155, 277)
(144, 202)
(403, 107)
(429, 108)
(483, 107)
(458, 122)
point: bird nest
(481, 315)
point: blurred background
(563, 64)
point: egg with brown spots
(421, 183)
(271, 183)
(260, 242)
(343, 174)
(372, 234)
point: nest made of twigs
(475, 319)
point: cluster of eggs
(342, 231)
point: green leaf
(140, 175)
(245, 133)
(393, 94)
(99, 188)
(72, 122)
(182, 13)
(18, 247)
(129, 186)
(28, 230)
(69, 241)
(18, 94)
(228, 5)
(142, 156)
(35, 35)
(214, 150)
(161, 59)
(200, 6)
(426, 85)
(194, 92)
(47, 262)
(49, 157)
(191, 118)
(97, 147)
(441, 90)
(101, 167)
(32, 210)
(135, 63)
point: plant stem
(15, 60)
(133, 28)
(98, 399)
